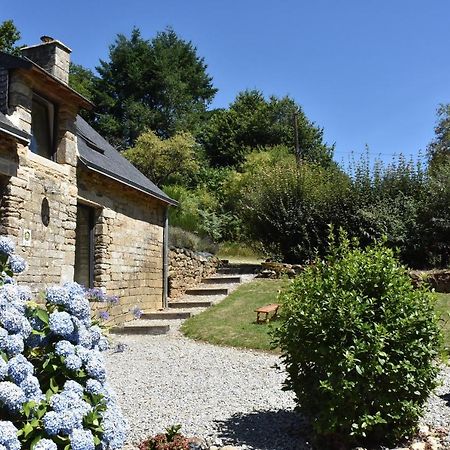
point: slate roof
(99, 155)
(7, 127)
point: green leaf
(54, 385)
(42, 314)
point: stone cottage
(76, 208)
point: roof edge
(122, 180)
(15, 132)
(87, 103)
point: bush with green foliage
(359, 344)
(53, 389)
(288, 208)
(184, 239)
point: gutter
(128, 183)
(165, 273)
(21, 136)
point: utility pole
(297, 146)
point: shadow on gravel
(265, 430)
(446, 398)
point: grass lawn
(238, 252)
(232, 322)
(443, 307)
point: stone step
(241, 269)
(207, 291)
(141, 329)
(166, 315)
(220, 280)
(190, 304)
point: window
(84, 246)
(42, 127)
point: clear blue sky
(368, 71)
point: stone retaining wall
(439, 280)
(187, 269)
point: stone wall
(128, 231)
(39, 202)
(39, 196)
(187, 269)
(439, 280)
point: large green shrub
(359, 345)
(288, 208)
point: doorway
(84, 246)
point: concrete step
(166, 315)
(190, 304)
(131, 328)
(207, 291)
(223, 279)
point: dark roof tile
(98, 154)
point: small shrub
(359, 344)
(53, 389)
(172, 439)
(184, 239)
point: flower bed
(53, 389)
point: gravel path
(214, 392)
(222, 394)
(225, 395)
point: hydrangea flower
(75, 341)
(115, 429)
(94, 387)
(24, 293)
(71, 385)
(80, 308)
(82, 440)
(14, 322)
(73, 362)
(7, 246)
(31, 388)
(95, 366)
(14, 344)
(45, 444)
(17, 264)
(61, 323)
(57, 295)
(52, 423)
(3, 369)
(19, 368)
(11, 396)
(74, 289)
(8, 436)
(103, 344)
(64, 348)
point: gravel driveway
(214, 392)
(226, 395)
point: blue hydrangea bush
(53, 389)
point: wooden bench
(272, 308)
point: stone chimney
(51, 55)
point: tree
(164, 160)
(82, 80)
(160, 85)
(439, 149)
(254, 122)
(9, 35)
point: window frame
(51, 109)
